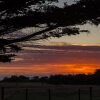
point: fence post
(79, 94)
(91, 89)
(26, 94)
(2, 93)
(49, 91)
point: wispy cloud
(59, 54)
(39, 60)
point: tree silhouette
(78, 79)
(50, 20)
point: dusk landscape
(49, 49)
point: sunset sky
(66, 55)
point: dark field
(40, 91)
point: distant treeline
(93, 79)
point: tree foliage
(49, 19)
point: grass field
(39, 91)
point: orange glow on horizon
(50, 69)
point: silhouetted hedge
(83, 79)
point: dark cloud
(59, 54)
(44, 60)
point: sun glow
(50, 69)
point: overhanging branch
(26, 38)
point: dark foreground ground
(40, 91)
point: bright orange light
(50, 69)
